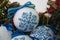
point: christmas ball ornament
(26, 19)
(4, 33)
(38, 4)
(43, 33)
(22, 37)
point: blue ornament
(43, 33)
(52, 28)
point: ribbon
(16, 33)
(8, 26)
(12, 11)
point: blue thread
(34, 18)
(24, 15)
(13, 10)
(21, 25)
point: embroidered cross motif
(28, 20)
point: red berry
(2, 0)
(51, 9)
(58, 2)
(11, 20)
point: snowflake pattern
(28, 21)
(42, 33)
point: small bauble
(22, 37)
(26, 19)
(43, 33)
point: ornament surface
(26, 19)
(43, 33)
(22, 37)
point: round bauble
(43, 33)
(26, 19)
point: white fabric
(41, 5)
(4, 33)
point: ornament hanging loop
(12, 11)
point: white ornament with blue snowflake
(26, 19)
(43, 33)
(22, 37)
